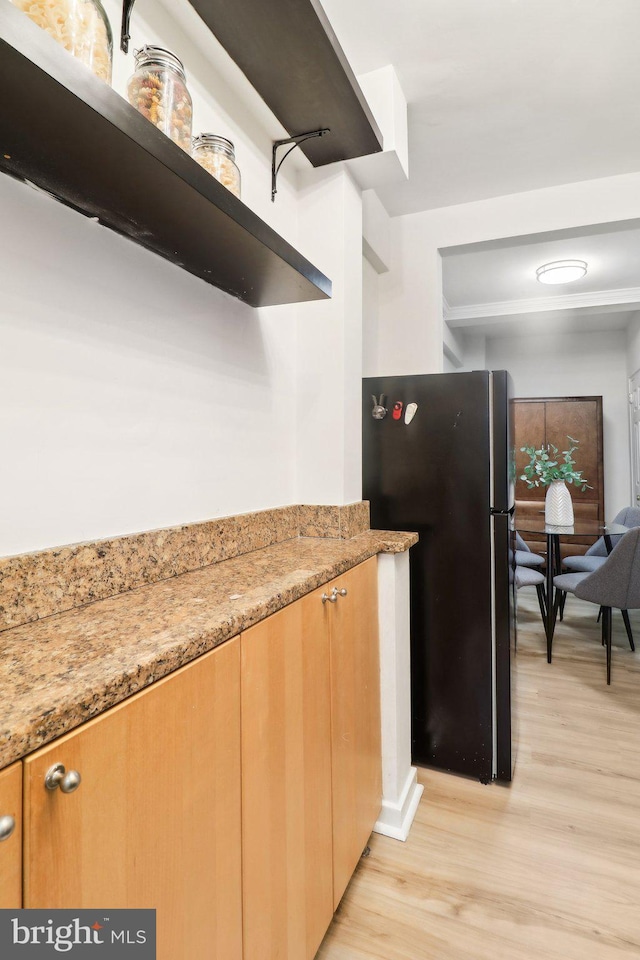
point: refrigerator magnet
(397, 410)
(410, 412)
(379, 411)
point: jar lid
(215, 142)
(158, 55)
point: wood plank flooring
(547, 867)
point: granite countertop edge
(70, 667)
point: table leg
(549, 620)
(553, 565)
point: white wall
(475, 352)
(376, 230)
(370, 319)
(410, 323)
(133, 395)
(329, 372)
(592, 364)
(448, 366)
(410, 329)
(376, 249)
(633, 345)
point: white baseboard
(396, 817)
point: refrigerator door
(504, 643)
(433, 475)
(502, 442)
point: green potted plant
(546, 469)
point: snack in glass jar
(80, 26)
(217, 155)
(158, 90)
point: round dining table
(553, 532)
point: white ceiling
(506, 269)
(503, 95)
(491, 288)
(506, 96)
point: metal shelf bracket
(127, 7)
(296, 141)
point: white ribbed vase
(558, 506)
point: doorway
(634, 414)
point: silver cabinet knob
(7, 826)
(56, 776)
(333, 596)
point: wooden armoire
(547, 420)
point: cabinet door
(580, 418)
(286, 783)
(11, 847)
(156, 820)
(552, 420)
(529, 430)
(355, 719)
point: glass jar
(81, 26)
(158, 89)
(218, 156)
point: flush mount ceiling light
(561, 271)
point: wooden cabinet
(311, 761)
(552, 420)
(355, 719)
(11, 847)
(286, 783)
(234, 797)
(156, 820)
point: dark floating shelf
(289, 52)
(70, 134)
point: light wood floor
(546, 868)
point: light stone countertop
(60, 671)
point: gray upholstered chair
(597, 554)
(528, 577)
(525, 557)
(616, 583)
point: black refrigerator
(438, 459)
